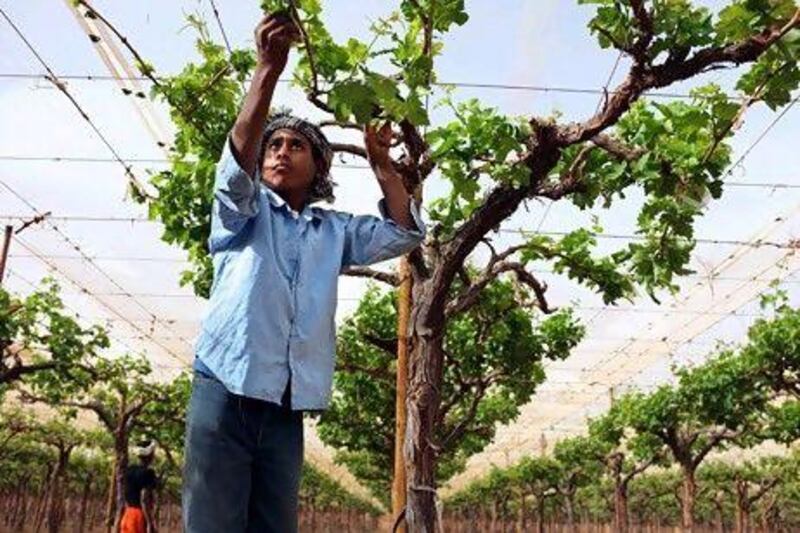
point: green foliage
(747, 487)
(677, 24)
(681, 27)
(39, 340)
(163, 420)
(127, 402)
(775, 75)
(539, 474)
(203, 101)
(784, 421)
(360, 420)
(720, 402)
(593, 501)
(654, 496)
(613, 439)
(345, 73)
(772, 351)
(29, 448)
(681, 146)
(739, 397)
(494, 353)
(743, 18)
(320, 491)
(572, 255)
(683, 155)
(106, 381)
(578, 464)
(480, 142)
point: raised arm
(274, 36)
(371, 239)
(377, 142)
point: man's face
(288, 162)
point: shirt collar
(275, 199)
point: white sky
(542, 43)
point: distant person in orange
(140, 480)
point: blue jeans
(242, 464)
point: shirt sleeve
(235, 201)
(369, 239)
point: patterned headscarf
(322, 186)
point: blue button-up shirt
(273, 301)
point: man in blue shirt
(265, 352)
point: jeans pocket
(209, 406)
